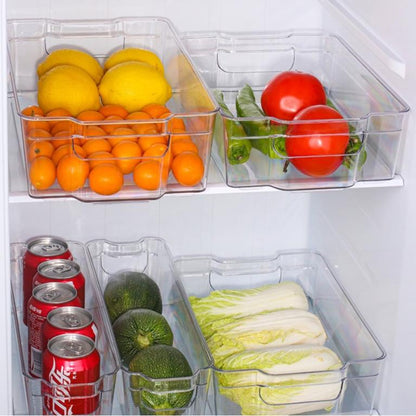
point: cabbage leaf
(230, 303)
(268, 329)
(285, 380)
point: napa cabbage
(230, 303)
(286, 380)
(267, 329)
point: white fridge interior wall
(186, 14)
(229, 225)
(363, 233)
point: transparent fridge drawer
(152, 256)
(349, 387)
(188, 115)
(35, 388)
(374, 113)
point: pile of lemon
(74, 80)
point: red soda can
(63, 271)
(38, 250)
(71, 369)
(68, 320)
(46, 297)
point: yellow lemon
(68, 87)
(134, 84)
(134, 54)
(72, 57)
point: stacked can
(45, 297)
(71, 369)
(64, 271)
(40, 249)
(68, 320)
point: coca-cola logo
(60, 378)
(35, 309)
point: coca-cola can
(68, 320)
(71, 369)
(40, 249)
(64, 271)
(45, 297)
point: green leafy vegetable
(274, 144)
(239, 147)
(228, 303)
(259, 380)
(354, 147)
(277, 328)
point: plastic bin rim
(139, 241)
(86, 22)
(241, 35)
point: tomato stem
(286, 165)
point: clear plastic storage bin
(350, 389)
(375, 114)
(192, 109)
(152, 256)
(104, 387)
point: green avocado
(161, 362)
(140, 328)
(129, 290)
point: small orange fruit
(92, 131)
(56, 113)
(121, 134)
(141, 127)
(112, 123)
(66, 149)
(34, 111)
(113, 110)
(38, 124)
(148, 140)
(90, 115)
(148, 175)
(179, 134)
(64, 137)
(42, 173)
(97, 158)
(106, 179)
(64, 125)
(145, 128)
(127, 154)
(138, 115)
(40, 148)
(174, 122)
(37, 134)
(188, 168)
(96, 145)
(162, 153)
(72, 172)
(179, 146)
(155, 110)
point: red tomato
(327, 139)
(290, 92)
